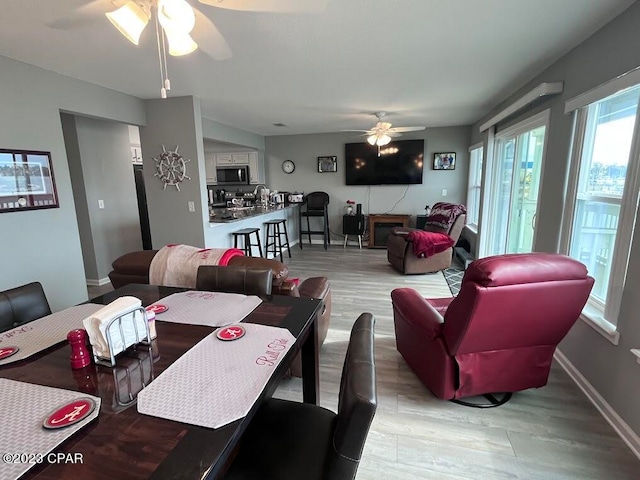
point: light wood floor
(548, 433)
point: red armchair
(499, 334)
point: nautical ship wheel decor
(171, 168)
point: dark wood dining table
(123, 444)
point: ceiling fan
(382, 132)
(175, 20)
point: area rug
(453, 276)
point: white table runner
(23, 409)
(33, 337)
(213, 309)
(217, 382)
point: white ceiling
(426, 62)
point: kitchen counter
(235, 214)
(229, 220)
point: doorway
(143, 211)
(515, 179)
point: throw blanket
(443, 215)
(426, 244)
(177, 265)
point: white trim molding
(605, 90)
(91, 282)
(542, 90)
(625, 432)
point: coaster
(232, 332)
(157, 308)
(69, 414)
(6, 352)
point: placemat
(45, 332)
(213, 309)
(217, 382)
(23, 409)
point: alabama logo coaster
(157, 308)
(6, 352)
(70, 413)
(232, 332)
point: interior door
(515, 187)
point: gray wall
(171, 122)
(103, 171)
(44, 245)
(610, 52)
(304, 150)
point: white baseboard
(97, 283)
(619, 425)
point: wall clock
(171, 168)
(288, 166)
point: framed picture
(327, 164)
(26, 181)
(444, 161)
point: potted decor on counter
(349, 207)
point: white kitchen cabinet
(224, 159)
(232, 159)
(256, 174)
(240, 158)
(210, 168)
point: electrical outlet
(192, 207)
(100, 204)
(444, 192)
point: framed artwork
(26, 181)
(444, 161)
(327, 164)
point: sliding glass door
(515, 187)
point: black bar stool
(245, 233)
(273, 237)
(316, 206)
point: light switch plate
(100, 204)
(192, 207)
(444, 192)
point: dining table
(124, 444)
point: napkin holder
(117, 328)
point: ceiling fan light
(383, 140)
(372, 139)
(180, 43)
(176, 15)
(130, 20)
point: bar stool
(316, 206)
(245, 233)
(273, 237)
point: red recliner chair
(499, 334)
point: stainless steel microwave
(233, 175)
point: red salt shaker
(80, 356)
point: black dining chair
(21, 305)
(316, 204)
(249, 281)
(292, 441)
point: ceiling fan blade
(85, 14)
(210, 40)
(406, 129)
(278, 6)
(361, 131)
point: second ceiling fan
(382, 132)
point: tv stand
(380, 226)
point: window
(475, 184)
(603, 198)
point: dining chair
(21, 305)
(292, 441)
(249, 281)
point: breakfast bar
(225, 221)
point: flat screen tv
(399, 163)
